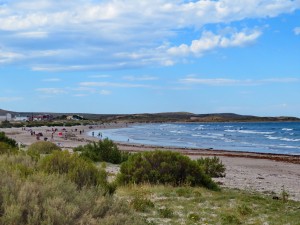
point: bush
(105, 150)
(42, 147)
(166, 212)
(7, 149)
(7, 140)
(212, 166)
(77, 169)
(42, 198)
(163, 167)
(141, 204)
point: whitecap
(254, 132)
(287, 129)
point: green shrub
(194, 217)
(166, 212)
(7, 149)
(7, 140)
(42, 147)
(77, 169)
(212, 166)
(5, 124)
(230, 219)
(163, 167)
(42, 198)
(105, 150)
(141, 204)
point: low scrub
(43, 198)
(77, 169)
(7, 140)
(42, 147)
(163, 167)
(105, 150)
(212, 166)
(7, 149)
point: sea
(262, 137)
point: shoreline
(261, 172)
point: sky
(130, 56)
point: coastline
(262, 172)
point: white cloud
(193, 80)
(52, 80)
(52, 91)
(80, 95)
(100, 76)
(33, 34)
(140, 78)
(113, 84)
(297, 30)
(10, 99)
(214, 82)
(105, 92)
(88, 34)
(9, 56)
(209, 41)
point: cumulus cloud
(209, 41)
(88, 34)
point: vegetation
(46, 198)
(7, 140)
(77, 169)
(197, 205)
(64, 188)
(41, 147)
(105, 150)
(7, 145)
(212, 166)
(163, 167)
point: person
(93, 133)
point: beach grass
(195, 205)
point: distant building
(5, 117)
(45, 117)
(21, 118)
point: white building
(21, 118)
(7, 117)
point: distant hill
(164, 117)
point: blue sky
(125, 56)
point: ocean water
(269, 137)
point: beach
(265, 173)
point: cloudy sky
(130, 56)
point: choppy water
(275, 137)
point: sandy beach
(266, 173)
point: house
(45, 117)
(5, 117)
(21, 118)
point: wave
(249, 131)
(283, 138)
(287, 129)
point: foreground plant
(163, 167)
(212, 166)
(103, 151)
(53, 198)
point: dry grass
(188, 205)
